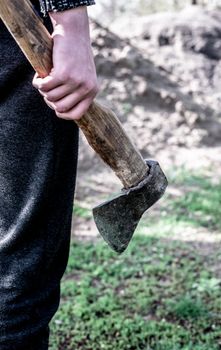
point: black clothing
(61, 5)
(38, 160)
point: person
(38, 161)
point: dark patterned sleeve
(62, 5)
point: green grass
(201, 203)
(161, 294)
(158, 295)
(198, 205)
(82, 212)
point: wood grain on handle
(29, 32)
(100, 126)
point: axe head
(118, 218)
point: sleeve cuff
(62, 5)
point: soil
(161, 75)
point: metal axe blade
(118, 218)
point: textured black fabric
(38, 157)
(62, 5)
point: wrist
(75, 19)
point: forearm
(71, 23)
(62, 5)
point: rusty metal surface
(118, 218)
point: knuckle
(76, 81)
(96, 89)
(61, 76)
(34, 84)
(50, 97)
(88, 85)
(61, 108)
(91, 87)
(43, 88)
(66, 77)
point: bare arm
(72, 84)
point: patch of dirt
(164, 85)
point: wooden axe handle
(100, 125)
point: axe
(143, 181)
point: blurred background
(107, 11)
(159, 69)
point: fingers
(70, 100)
(77, 111)
(53, 81)
(72, 106)
(66, 103)
(57, 93)
(45, 84)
